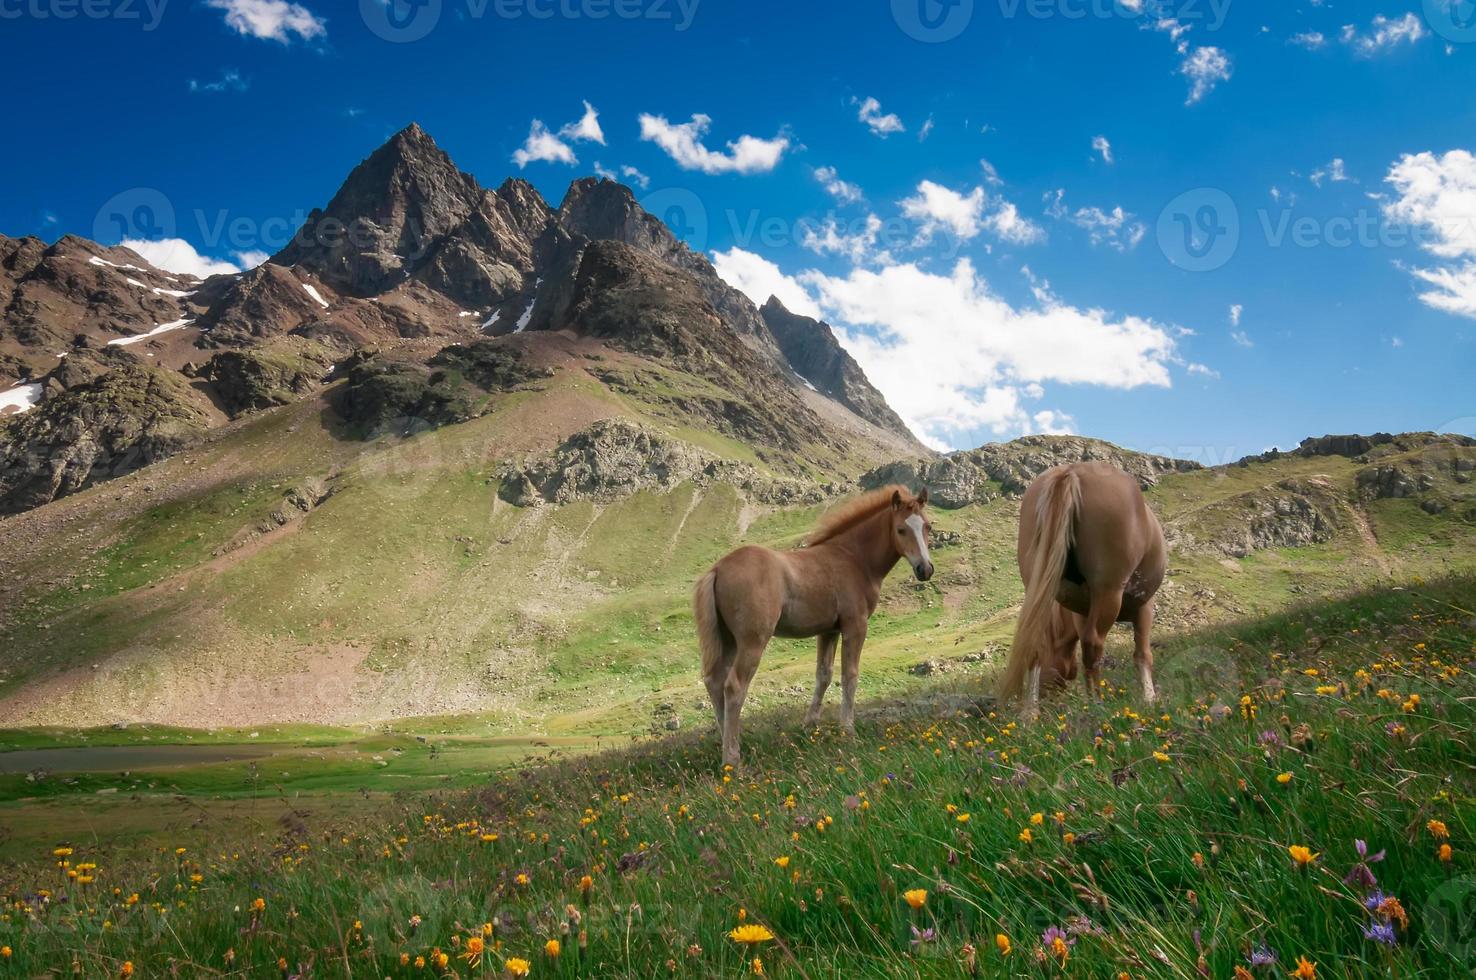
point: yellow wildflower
(751, 934)
(916, 897)
(1303, 856)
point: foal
(1091, 554)
(828, 590)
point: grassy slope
(1158, 839)
(415, 592)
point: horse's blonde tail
(1055, 531)
(709, 626)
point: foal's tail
(709, 626)
(1055, 531)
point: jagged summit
(390, 212)
(812, 350)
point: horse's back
(1118, 539)
(750, 586)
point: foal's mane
(847, 514)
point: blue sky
(1316, 154)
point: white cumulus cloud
(683, 143)
(1384, 34)
(1101, 145)
(758, 279)
(1205, 68)
(963, 216)
(271, 20)
(1435, 195)
(843, 191)
(880, 123)
(179, 256)
(956, 360)
(545, 146)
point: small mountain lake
(118, 758)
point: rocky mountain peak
(601, 208)
(817, 357)
(389, 213)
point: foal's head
(910, 530)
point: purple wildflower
(925, 936)
(1049, 937)
(1262, 956)
(1360, 875)
(1381, 932)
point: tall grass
(1107, 839)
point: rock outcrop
(1289, 514)
(384, 394)
(254, 378)
(616, 458)
(978, 475)
(97, 430)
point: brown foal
(828, 589)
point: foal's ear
(896, 499)
(922, 497)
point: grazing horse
(1091, 554)
(828, 590)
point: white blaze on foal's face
(915, 522)
(923, 564)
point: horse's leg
(1091, 665)
(1093, 627)
(715, 680)
(852, 639)
(824, 670)
(735, 690)
(1143, 651)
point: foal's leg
(1093, 628)
(824, 670)
(1143, 651)
(851, 642)
(735, 690)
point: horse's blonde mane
(847, 514)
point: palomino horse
(828, 590)
(1088, 543)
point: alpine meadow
(813, 493)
